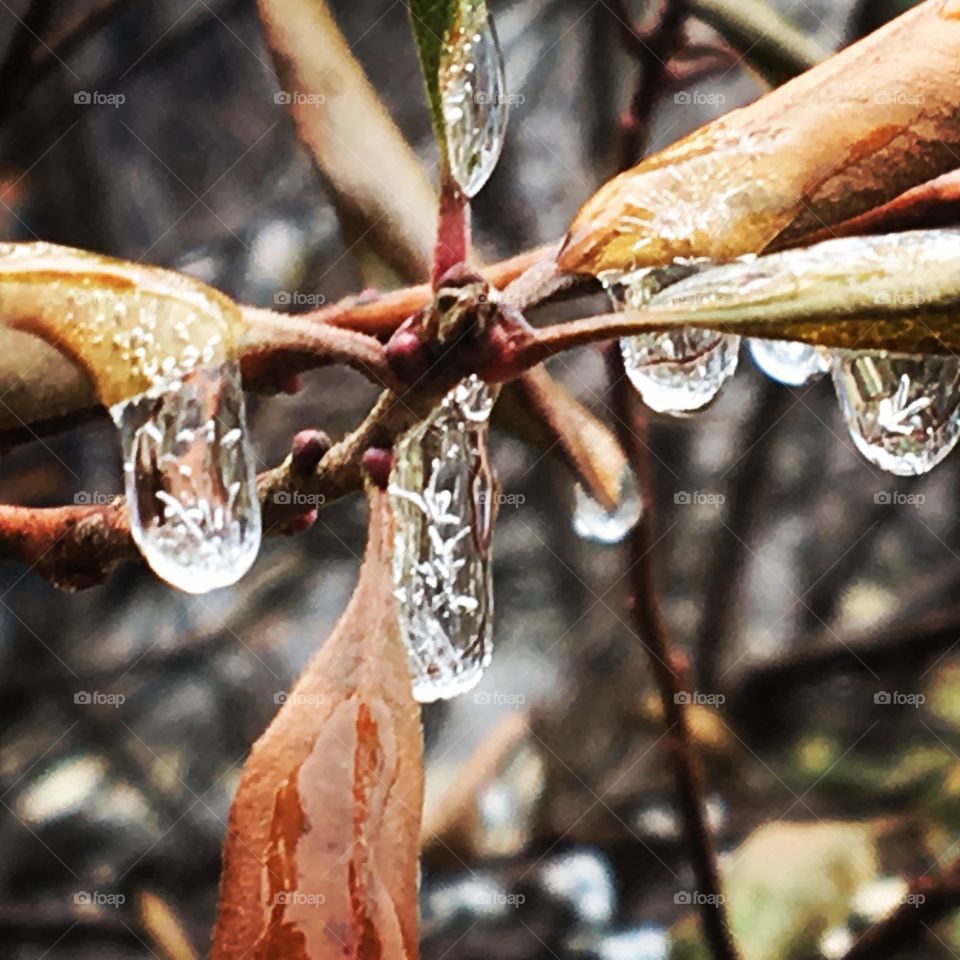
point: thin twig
(668, 671)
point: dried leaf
(382, 192)
(899, 292)
(321, 859)
(130, 327)
(848, 135)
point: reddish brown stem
(453, 230)
(669, 669)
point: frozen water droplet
(592, 520)
(903, 412)
(190, 481)
(678, 371)
(473, 97)
(793, 364)
(442, 490)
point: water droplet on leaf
(903, 412)
(788, 362)
(678, 371)
(593, 521)
(443, 495)
(190, 480)
(473, 96)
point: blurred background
(815, 597)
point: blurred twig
(668, 670)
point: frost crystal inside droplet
(190, 479)
(473, 97)
(903, 412)
(793, 364)
(443, 495)
(592, 520)
(678, 371)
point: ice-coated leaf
(898, 292)
(132, 328)
(431, 20)
(321, 857)
(843, 138)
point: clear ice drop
(903, 412)
(678, 371)
(190, 480)
(789, 362)
(443, 492)
(473, 97)
(592, 520)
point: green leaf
(432, 19)
(433, 23)
(897, 292)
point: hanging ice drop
(679, 371)
(903, 412)
(473, 97)
(190, 480)
(788, 362)
(443, 495)
(593, 521)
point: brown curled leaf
(321, 858)
(854, 132)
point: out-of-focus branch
(27, 35)
(934, 898)
(669, 670)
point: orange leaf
(852, 133)
(321, 858)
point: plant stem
(669, 668)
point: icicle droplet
(473, 96)
(593, 521)
(903, 412)
(190, 481)
(787, 362)
(682, 370)
(443, 495)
